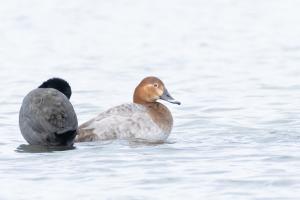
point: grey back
(48, 118)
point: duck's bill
(167, 97)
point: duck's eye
(155, 85)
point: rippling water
(234, 65)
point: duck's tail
(86, 135)
(66, 138)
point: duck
(47, 116)
(144, 120)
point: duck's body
(144, 120)
(151, 123)
(47, 117)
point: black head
(58, 84)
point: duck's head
(150, 90)
(58, 84)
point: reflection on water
(234, 65)
(26, 148)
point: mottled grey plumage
(126, 121)
(144, 120)
(48, 118)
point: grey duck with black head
(47, 117)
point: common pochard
(143, 120)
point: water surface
(234, 65)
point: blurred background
(233, 64)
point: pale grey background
(234, 65)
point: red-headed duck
(144, 120)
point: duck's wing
(104, 124)
(48, 112)
(125, 110)
(90, 130)
(124, 121)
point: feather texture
(46, 114)
(127, 121)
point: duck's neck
(161, 115)
(137, 98)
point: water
(234, 65)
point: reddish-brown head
(150, 90)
